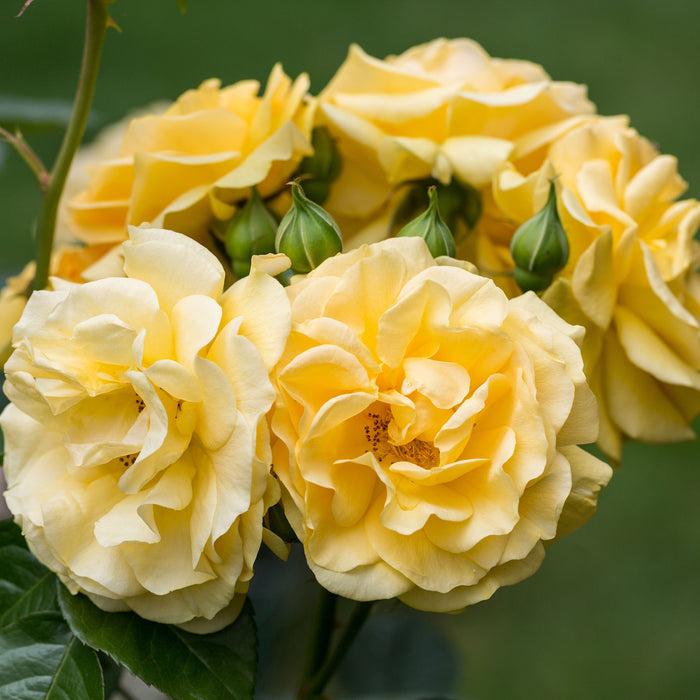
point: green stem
(25, 152)
(96, 27)
(313, 688)
(319, 643)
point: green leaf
(40, 659)
(182, 4)
(26, 586)
(218, 666)
(111, 673)
(11, 533)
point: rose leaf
(41, 659)
(26, 586)
(217, 666)
(11, 533)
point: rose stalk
(96, 27)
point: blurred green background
(614, 612)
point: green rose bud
(322, 167)
(457, 202)
(307, 234)
(531, 282)
(540, 247)
(431, 228)
(251, 232)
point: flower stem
(321, 633)
(312, 689)
(25, 152)
(96, 27)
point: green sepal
(322, 168)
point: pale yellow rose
(427, 428)
(74, 263)
(182, 168)
(630, 279)
(136, 450)
(443, 109)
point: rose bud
(431, 228)
(457, 202)
(539, 247)
(251, 232)
(307, 234)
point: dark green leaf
(11, 533)
(40, 659)
(111, 673)
(218, 666)
(26, 586)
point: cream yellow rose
(136, 450)
(427, 428)
(630, 279)
(443, 109)
(182, 168)
(74, 263)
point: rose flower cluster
(472, 275)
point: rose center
(423, 454)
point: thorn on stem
(24, 7)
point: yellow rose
(182, 168)
(137, 454)
(69, 262)
(105, 146)
(630, 278)
(442, 110)
(427, 428)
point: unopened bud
(540, 247)
(431, 228)
(531, 282)
(457, 202)
(251, 232)
(321, 168)
(307, 234)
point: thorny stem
(96, 27)
(25, 152)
